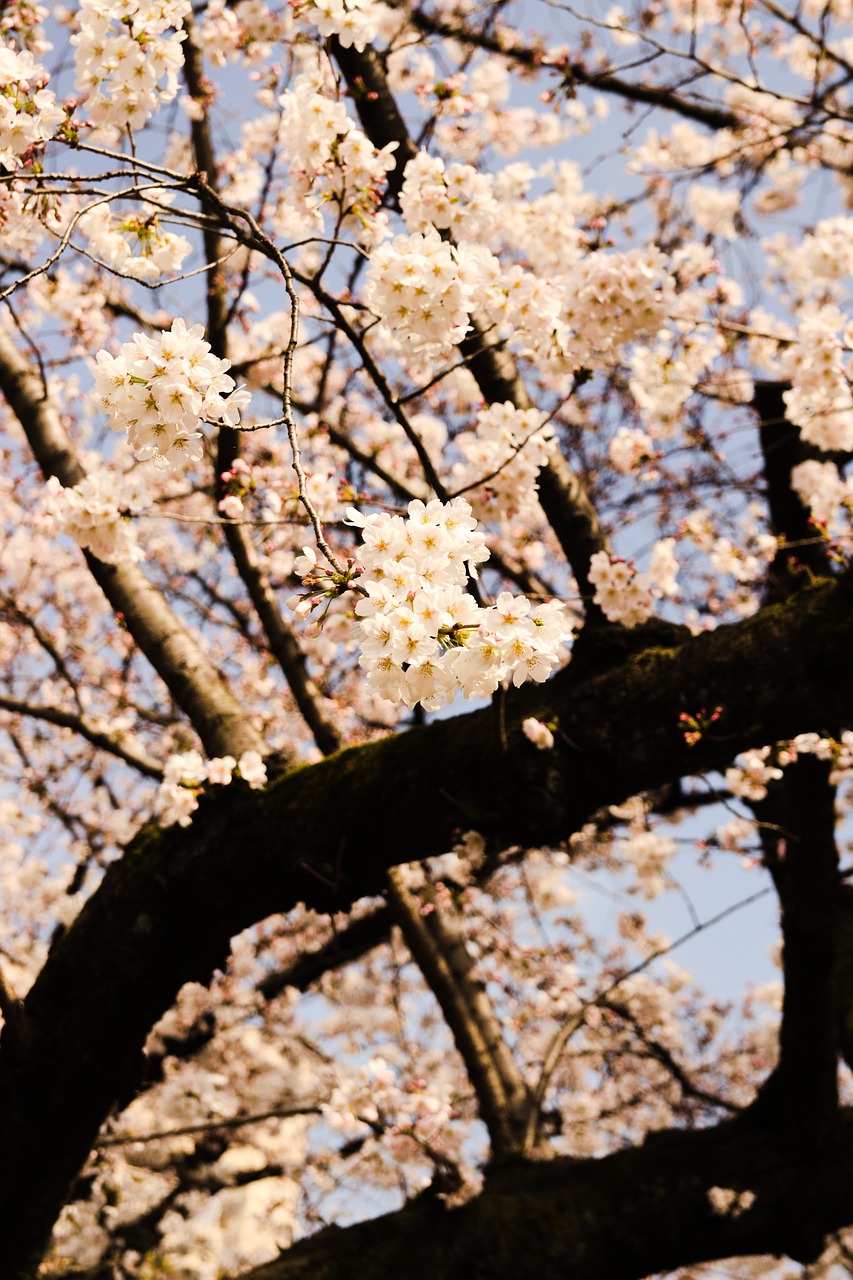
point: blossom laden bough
(576, 364)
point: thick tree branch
(631, 1214)
(439, 951)
(798, 838)
(798, 822)
(327, 833)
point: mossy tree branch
(326, 835)
(631, 1214)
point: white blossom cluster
(160, 389)
(21, 229)
(613, 299)
(714, 210)
(373, 1094)
(649, 853)
(816, 259)
(423, 635)
(526, 309)
(331, 160)
(29, 113)
(821, 487)
(125, 49)
(750, 777)
(240, 1226)
(356, 23)
(186, 773)
(665, 376)
(94, 512)
(629, 449)
(453, 198)
(78, 304)
(423, 291)
(247, 31)
(133, 246)
(626, 596)
(820, 401)
(584, 313)
(506, 452)
(744, 566)
(684, 147)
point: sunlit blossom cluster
(129, 58)
(373, 1095)
(452, 197)
(820, 402)
(586, 312)
(95, 513)
(356, 23)
(623, 594)
(744, 566)
(29, 113)
(714, 210)
(133, 245)
(248, 31)
(423, 291)
(629, 449)
(819, 260)
(649, 853)
(160, 389)
(612, 299)
(185, 774)
(749, 778)
(503, 456)
(21, 231)
(683, 147)
(423, 636)
(76, 303)
(665, 376)
(823, 489)
(331, 164)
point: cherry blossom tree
(424, 437)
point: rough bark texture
(327, 833)
(631, 1214)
